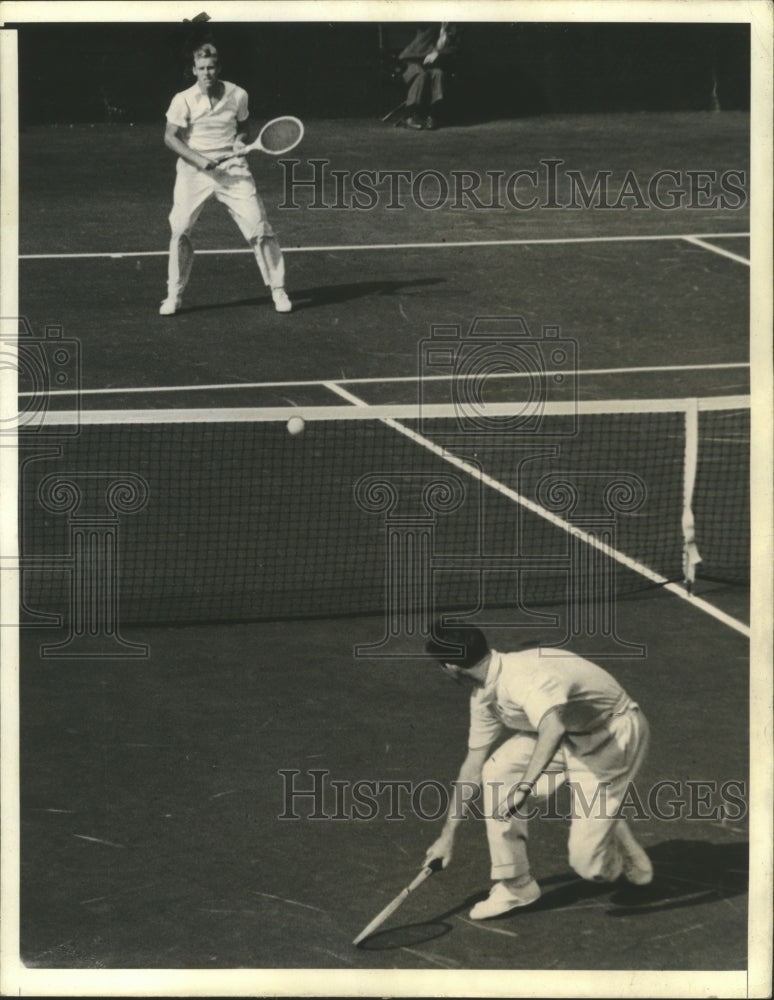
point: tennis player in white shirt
(204, 123)
(562, 719)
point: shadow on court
(418, 932)
(438, 926)
(325, 295)
(687, 873)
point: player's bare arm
(551, 732)
(173, 139)
(466, 787)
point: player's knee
(180, 230)
(263, 231)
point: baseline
(406, 246)
(386, 380)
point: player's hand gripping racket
(379, 919)
(278, 136)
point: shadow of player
(417, 933)
(328, 295)
(325, 295)
(686, 873)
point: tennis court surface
(260, 648)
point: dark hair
(463, 645)
(205, 51)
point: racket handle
(426, 872)
(379, 919)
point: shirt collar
(200, 96)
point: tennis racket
(379, 919)
(278, 136)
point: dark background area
(103, 72)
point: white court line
(486, 927)
(291, 902)
(406, 246)
(435, 959)
(554, 519)
(388, 380)
(97, 840)
(365, 411)
(699, 242)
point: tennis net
(224, 515)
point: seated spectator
(429, 59)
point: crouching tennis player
(569, 721)
(204, 123)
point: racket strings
(281, 135)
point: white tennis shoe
(169, 307)
(281, 301)
(503, 897)
(637, 868)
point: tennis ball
(295, 425)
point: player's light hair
(471, 639)
(206, 51)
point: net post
(691, 557)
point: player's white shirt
(207, 129)
(521, 687)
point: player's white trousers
(598, 768)
(235, 188)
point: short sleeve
(243, 111)
(485, 727)
(178, 112)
